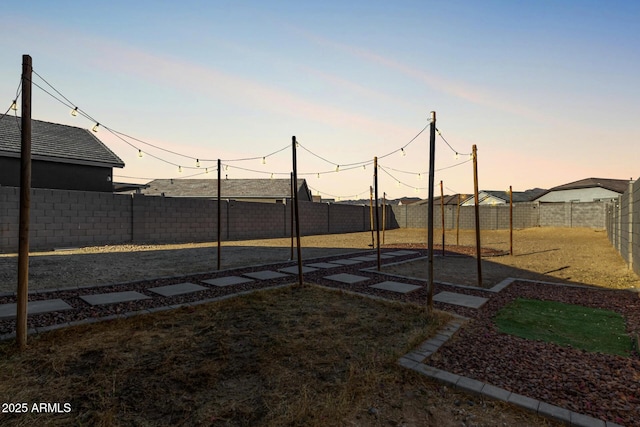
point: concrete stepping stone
(265, 275)
(294, 269)
(179, 289)
(324, 265)
(363, 258)
(460, 299)
(402, 253)
(9, 311)
(227, 281)
(402, 288)
(346, 261)
(113, 297)
(346, 278)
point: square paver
(346, 278)
(113, 297)
(346, 261)
(363, 258)
(227, 281)
(460, 299)
(402, 288)
(324, 265)
(265, 275)
(294, 269)
(179, 289)
(8, 311)
(402, 253)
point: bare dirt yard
(309, 356)
(576, 255)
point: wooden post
(296, 208)
(510, 220)
(293, 190)
(373, 242)
(219, 211)
(442, 214)
(384, 214)
(25, 205)
(375, 183)
(432, 163)
(458, 221)
(477, 212)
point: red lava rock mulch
(600, 385)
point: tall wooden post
(25, 205)
(477, 212)
(432, 163)
(458, 221)
(384, 214)
(296, 208)
(510, 220)
(293, 190)
(442, 213)
(219, 211)
(375, 183)
(373, 242)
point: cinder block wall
(623, 225)
(60, 218)
(74, 218)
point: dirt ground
(575, 255)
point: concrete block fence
(623, 225)
(62, 218)
(525, 215)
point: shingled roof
(231, 188)
(617, 185)
(57, 143)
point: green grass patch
(590, 329)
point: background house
(246, 190)
(63, 157)
(492, 197)
(586, 190)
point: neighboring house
(62, 157)
(492, 198)
(247, 190)
(449, 200)
(586, 190)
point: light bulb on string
(226, 167)
(457, 155)
(337, 168)
(264, 160)
(14, 105)
(226, 176)
(403, 153)
(95, 128)
(364, 167)
(397, 183)
(197, 163)
(74, 112)
(318, 175)
(272, 176)
(206, 170)
(140, 153)
(179, 169)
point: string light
(318, 175)
(419, 176)
(364, 167)
(264, 160)
(271, 175)
(95, 128)
(197, 163)
(206, 170)
(14, 105)
(140, 153)
(337, 168)
(403, 153)
(74, 112)
(179, 169)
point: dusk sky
(549, 91)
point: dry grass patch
(283, 357)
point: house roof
(448, 200)
(56, 143)
(231, 188)
(617, 185)
(518, 196)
